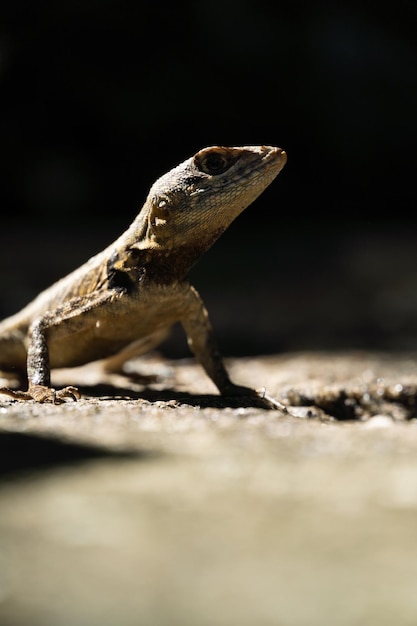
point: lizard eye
(213, 162)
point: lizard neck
(138, 255)
(172, 265)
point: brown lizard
(137, 287)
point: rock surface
(166, 507)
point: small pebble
(379, 421)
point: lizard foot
(41, 393)
(258, 398)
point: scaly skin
(137, 287)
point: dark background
(99, 98)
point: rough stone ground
(169, 508)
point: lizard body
(137, 287)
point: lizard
(138, 287)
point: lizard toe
(15, 394)
(269, 402)
(67, 392)
(258, 398)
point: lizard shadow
(108, 391)
(23, 454)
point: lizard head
(196, 201)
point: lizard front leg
(203, 344)
(38, 371)
(67, 316)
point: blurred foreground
(148, 510)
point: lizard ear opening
(160, 206)
(160, 212)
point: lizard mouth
(272, 161)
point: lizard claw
(67, 392)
